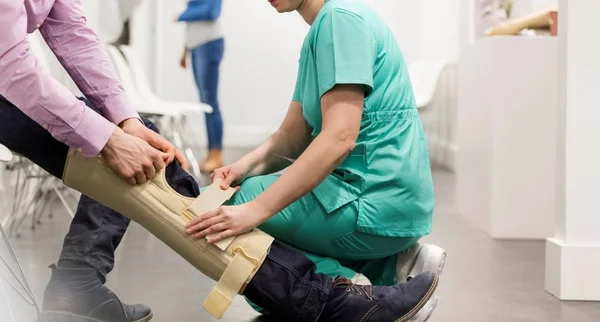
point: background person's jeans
(206, 60)
(286, 284)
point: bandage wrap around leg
(164, 212)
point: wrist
(247, 165)
(262, 208)
(129, 121)
(111, 140)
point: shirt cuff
(119, 108)
(92, 134)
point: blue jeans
(206, 60)
(287, 284)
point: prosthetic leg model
(535, 20)
(164, 212)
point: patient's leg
(268, 272)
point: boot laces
(367, 290)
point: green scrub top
(388, 172)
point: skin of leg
(206, 61)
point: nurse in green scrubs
(358, 190)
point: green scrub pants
(330, 240)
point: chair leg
(19, 275)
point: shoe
(399, 303)
(213, 161)
(78, 295)
(417, 260)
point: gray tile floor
(484, 280)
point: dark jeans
(206, 61)
(286, 284)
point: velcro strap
(248, 258)
(212, 198)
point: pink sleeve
(31, 89)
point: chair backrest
(137, 71)
(142, 104)
(124, 72)
(126, 78)
(425, 76)
(5, 154)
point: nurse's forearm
(341, 114)
(264, 159)
(322, 157)
(290, 141)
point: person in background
(206, 45)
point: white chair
(425, 77)
(17, 302)
(143, 86)
(34, 188)
(142, 105)
(5, 154)
(169, 119)
(5, 157)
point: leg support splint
(164, 212)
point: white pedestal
(573, 254)
(506, 136)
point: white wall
(262, 50)
(439, 29)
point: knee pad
(164, 213)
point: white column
(573, 255)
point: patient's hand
(136, 128)
(132, 158)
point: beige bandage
(164, 213)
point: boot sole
(408, 316)
(426, 312)
(70, 317)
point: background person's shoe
(214, 160)
(399, 303)
(77, 295)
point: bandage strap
(246, 261)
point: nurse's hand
(232, 175)
(227, 221)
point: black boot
(399, 303)
(78, 295)
(288, 286)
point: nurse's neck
(309, 9)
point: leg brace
(164, 212)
